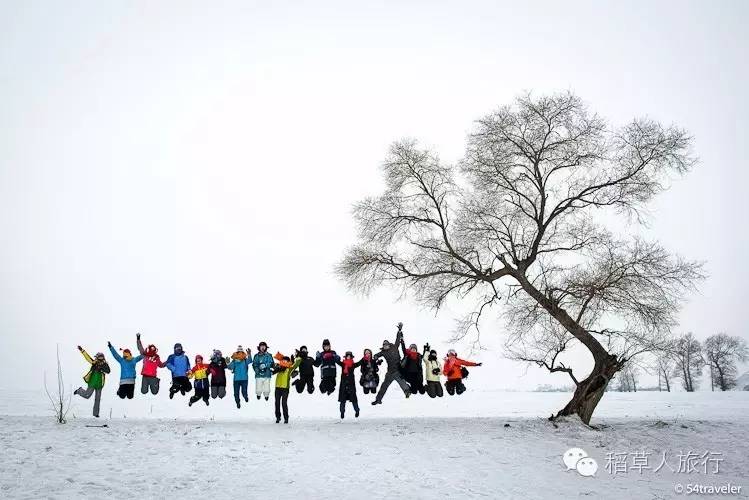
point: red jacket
(151, 364)
(452, 367)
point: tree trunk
(668, 385)
(721, 379)
(589, 391)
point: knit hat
(262, 344)
(452, 352)
(177, 346)
(303, 348)
(413, 346)
(348, 353)
(239, 348)
(386, 344)
(198, 358)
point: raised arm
(85, 355)
(140, 344)
(114, 352)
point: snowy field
(481, 444)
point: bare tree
(60, 399)
(721, 352)
(664, 367)
(628, 376)
(688, 361)
(518, 212)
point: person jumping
(455, 372)
(391, 355)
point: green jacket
(282, 377)
(96, 374)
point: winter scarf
(347, 364)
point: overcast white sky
(187, 170)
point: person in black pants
(347, 390)
(327, 360)
(126, 391)
(412, 370)
(306, 372)
(391, 355)
(369, 379)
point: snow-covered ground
(481, 444)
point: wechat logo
(577, 459)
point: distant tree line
(684, 360)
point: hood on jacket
(178, 349)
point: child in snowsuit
(283, 370)
(433, 370)
(369, 379)
(392, 356)
(217, 371)
(179, 364)
(239, 366)
(347, 389)
(327, 360)
(127, 371)
(453, 370)
(94, 378)
(262, 365)
(306, 372)
(151, 363)
(199, 372)
(412, 369)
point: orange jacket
(452, 367)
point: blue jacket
(262, 364)
(240, 367)
(178, 364)
(127, 366)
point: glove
(137, 335)
(80, 348)
(109, 344)
(379, 361)
(435, 371)
(479, 364)
(317, 353)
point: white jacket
(431, 365)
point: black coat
(306, 369)
(369, 370)
(327, 361)
(347, 388)
(392, 355)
